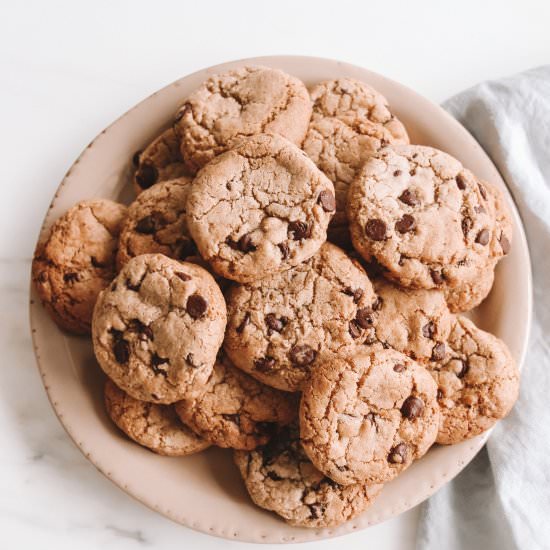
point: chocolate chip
(275, 324)
(375, 229)
(299, 230)
(146, 225)
(357, 294)
(96, 263)
(157, 360)
(327, 201)
(428, 330)
(136, 326)
(183, 276)
(399, 367)
(397, 173)
(274, 476)
(439, 394)
(409, 197)
(285, 250)
(467, 224)
(504, 243)
(412, 171)
(42, 277)
(70, 277)
(483, 237)
(438, 352)
(460, 182)
(121, 349)
(405, 224)
(364, 317)
(231, 243)
(265, 364)
(482, 191)
(437, 276)
(398, 454)
(131, 286)
(196, 306)
(412, 407)
(354, 330)
(302, 355)
(316, 510)
(135, 158)
(243, 323)
(377, 306)
(235, 418)
(146, 176)
(245, 243)
(465, 368)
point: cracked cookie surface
(76, 262)
(159, 161)
(280, 477)
(157, 223)
(157, 329)
(350, 122)
(156, 427)
(478, 382)
(235, 410)
(367, 416)
(427, 221)
(279, 326)
(260, 208)
(240, 103)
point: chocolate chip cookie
(260, 208)
(478, 382)
(351, 121)
(157, 329)
(156, 223)
(279, 326)
(242, 102)
(154, 426)
(76, 261)
(159, 161)
(426, 220)
(235, 410)
(365, 417)
(280, 477)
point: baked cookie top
(428, 221)
(159, 161)
(365, 417)
(157, 223)
(280, 477)
(260, 208)
(279, 326)
(154, 426)
(158, 327)
(350, 122)
(478, 382)
(235, 410)
(242, 102)
(76, 261)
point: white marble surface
(68, 69)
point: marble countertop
(69, 69)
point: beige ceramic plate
(188, 489)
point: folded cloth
(501, 500)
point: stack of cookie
(287, 284)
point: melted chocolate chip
(437, 276)
(465, 368)
(274, 476)
(377, 305)
(354, 330)
(121, 350)
(412, 407)
(428, 330)
(504, 244)
(439, 394)
(235, 418)
(136, 326)
(231, 243)
(375, 229)
(357, 294)
(405, 224)
(438, 352)
(327, 201)
(397, 173)
(399, 367)
(467, 224)
(70, 277)
(157, 360)
(299, 230)
(245, 243)
(146, 176)
(274, 323)
(196, 306)
(146, 225)
(285, 250)
(243, 323)
(460, 182)
(183, 276)
(364, 317)
(265, 364)
(96, 263)
(483, 237)
(409, 197)
(302, 355)
(398, 454)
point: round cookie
(76, 262)
(350, 122)
(154, 426)
(279, 327)
(416, 322)
(260, 208)
(235, 410)
(157, 329)
(365, 417)
(280, 477)
(156, 223)
(428, 221)
(242, 102)
(478, 382)
(159, 161)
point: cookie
(156, 223)
(279, 327)
(280, 477)
(240, 103)
(157, 329)
(235, 410)
(478, 382)
(159, 161)
(350, 122)
(365, 417)
(154, 426)
(260, 208)
(416, 322)
(427, 221)
(76, 262)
